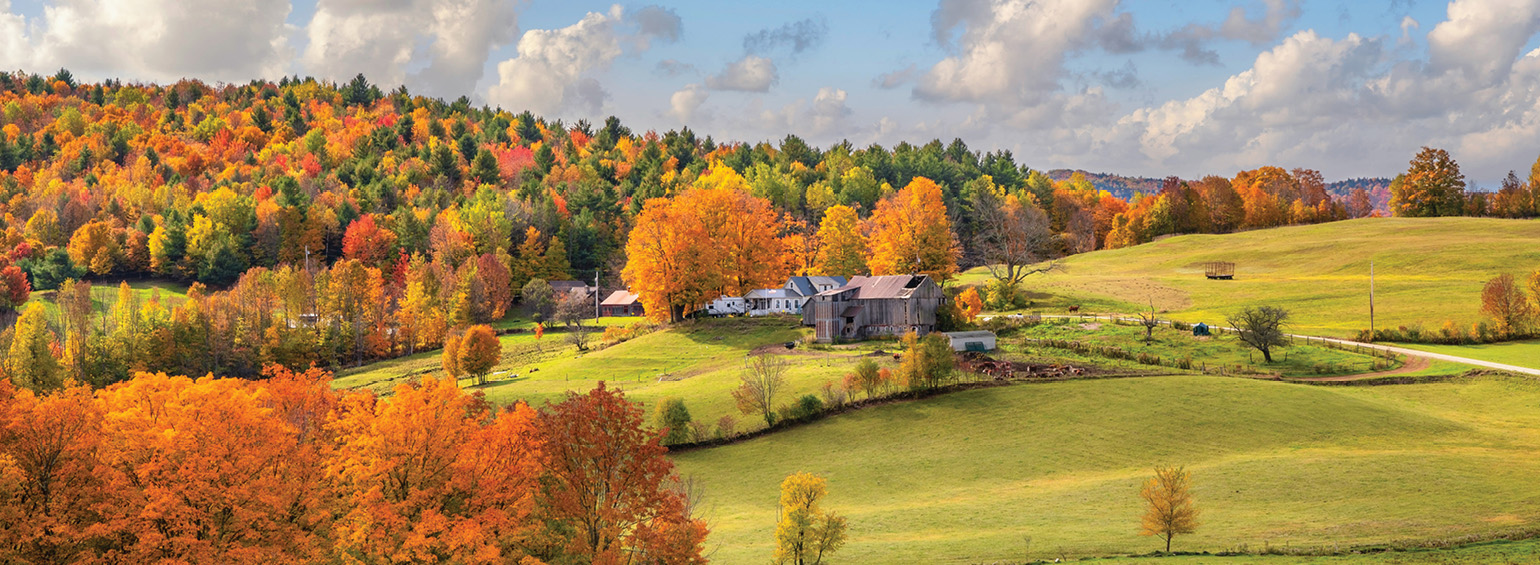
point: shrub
(807, 407)
(673, 416)
(727, 427)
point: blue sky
(1137, 87)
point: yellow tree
(479, 351)
(971, 303)
(911, 233)
(841, 246)
(1169, 507)
(30, 363)
(806, 534)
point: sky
(1147, 88)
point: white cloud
(820, 118)
(449, 40)
(1350, 107)
(548, 74)
(1011, 53)
(685, 102)
(554, 70)
(749, 74)
(161, 40)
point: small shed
(622, 303)
(1219, 270)
(1200, 329)
(972, 341)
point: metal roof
(620, 298)
(808, 286)
(887, 286)
(970, 334)
(772, 293)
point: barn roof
(620, 298)
(887, 286)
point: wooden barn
(874, 306)
(621, 303)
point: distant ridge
(1127, 187)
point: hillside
(1427, 271)
(977, 476)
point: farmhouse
(874, 306)
(790, 298)
(621, 303)
(564, 288)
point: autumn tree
(31, 363)
(841, 246)
(539, 299)
(928, 362)
(1261, 328)
(479, 352)
(450, 357)
(1431, 186)
(763, 377)
(709, 241)
(50, 477)
(1504, 301)
(806, 534)
(971, 303)
(911, 233)
(607, 489)
(868, 377)
(1169, 507)
(367, 242)
(432, 472)
(14, 288)
(1014, 238)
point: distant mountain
(1378, 188)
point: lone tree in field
(672, 416)
(1262, 328)
(479, 351)
(806, 535)
(1169, 508)
(1504, 301)
(1149, 322)
(763, 378)
(1431, 186)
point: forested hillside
(333, 223)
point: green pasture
(1041, 471)
(104, 294)
(1520, 353)
(1427, 271)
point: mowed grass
(104, 294)
(1427, 270)
(1501, 552)
(1520, 353)
(970, 477)
(699, 362)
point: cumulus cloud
(814, 118)
(222, 40)
(795, 37)
(1345, 104)
(447, 42)
(685, 102)
(749, 74)
(554, 70)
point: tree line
(287, 470)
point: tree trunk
(1168, 543)
(1267, 354)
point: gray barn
(874, 306)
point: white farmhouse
(790, 298)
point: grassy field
(1300, 360)
(1487, 553)
(698, 361)
(104, 294)
(971, 477)
(1520, 353)
(1427, 270)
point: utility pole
(1371, 301)
(596, 295)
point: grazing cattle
(1074, 309)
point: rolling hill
(1427, 271)
(1042, 471)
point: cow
(1075, 308)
